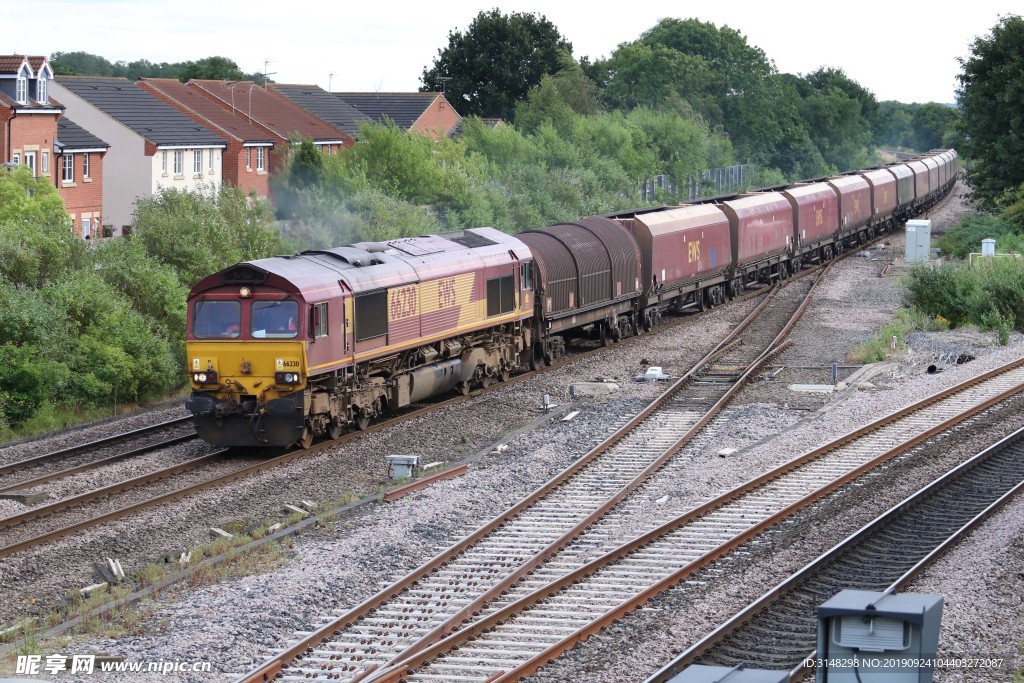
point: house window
(260, 158)
(22, 94)
(41, 89)
(17, 160)
(248, 157)
(211, 161)
(197, 161)
(86, 228)
(85, 165)
(163, 164)
(44, 163)
(69, 168)
(179, 161)
(30, 161)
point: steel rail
(709, 642)
(29, 483)
(402, 669)
(82, 448)
(468, 610)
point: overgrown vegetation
(906, 321)
(989, 295)
(83, 330)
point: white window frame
(211, 161)
(248, 158)
(179, 161)
(68, 175)
(86, 228)
(197, 161)
(44, 163)
(41, 89)
(260, 159)
(85, 165)
(16, 159)
(164, 162)
(30, 161)
(22, 90)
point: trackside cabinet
(700, 673)
(919, 241)
(871, 637)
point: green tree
(494, 63)
(36, 243)
(839, 117)
(930, 124)
(202, 231)
(991, 97)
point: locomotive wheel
(486, 381)
(504, 375)
(462, 388)
(363, 422)
(335, 431)
(306, 440)
(535, 362)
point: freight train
(284, 350)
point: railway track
(180, 426)
(549, 608)
(777, 631)
(433, 600)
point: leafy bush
(989, 296)
(965, 238)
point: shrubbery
(82, 329)
(989, 296)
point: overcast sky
(384, 46)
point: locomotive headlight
(208, 377)
(287, 378)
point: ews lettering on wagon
(446, 293)
(693, 251)
(403, 302)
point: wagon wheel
(306, 440)
(335, 430)
(535, 362)
(702, 300)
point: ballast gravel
(236, 624)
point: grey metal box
(919, 241)
(700, 673)
(871, 637)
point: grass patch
(905, 322)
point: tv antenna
(266, 62)
(330, 77)
(444, 84)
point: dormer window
(22, 94)
(41, 89)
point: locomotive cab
(247, 364)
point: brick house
(429, 113)
(324, 105)
(28, 115)
(152, 145)
(270, 111)
(248, 157)
(78, 176)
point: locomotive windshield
(275, 319)
(217, 319)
